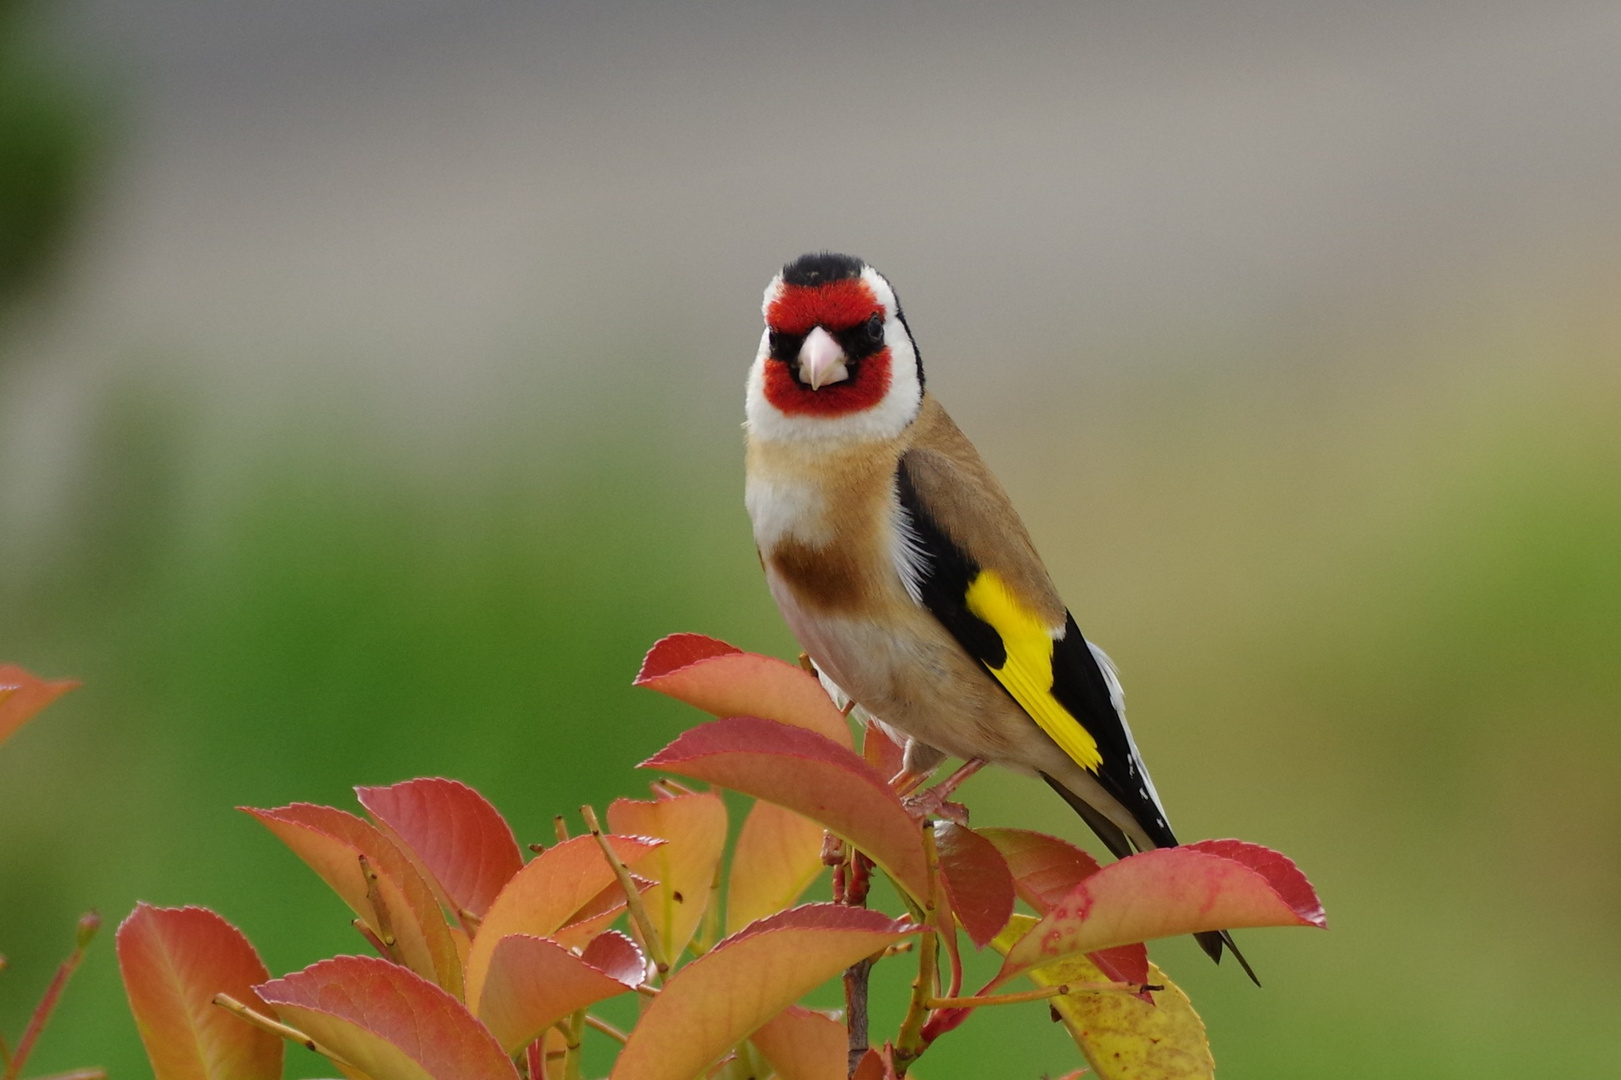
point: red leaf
(1045, 869)
(542, 895)
(881, 752)
(1168, 892)
(671, 654)
(694, 830)
(23, 694)
(722, 997)
(1278, 869)
(874, 1066)
(810, 775)
(976, 879)
(533, 983)
(387, 1022)
(804, 1045)
(778, 855)
(617, 956)
(721, 679)
(173, 961)
(331, 842)
(458, 840)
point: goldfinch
(902, 568)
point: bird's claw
(933, 803)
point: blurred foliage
(47, 140)
(1376, 631)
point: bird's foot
(926, 804)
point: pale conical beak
(821, 361)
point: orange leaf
(22, 694)
(533, 983)
(722, 679)
(1170, 891)
(173, 961)
(724, 996)
(804, 1045)
(1045, 869)
(331, 842)
(597, 914)
(976, 879)
(387, 1022)
(778, 855)
(806, 773)
(694, 828)
(545, 893)
(461, 843)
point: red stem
(42, 1013)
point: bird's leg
(908, 780)
(934, 801)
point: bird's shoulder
(960, 507)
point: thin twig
(607, 1029)
(88, 925)
(77, 1074)
(633, 895)
(975, 1001)
(379, 907)
(560, 827)
(276, 1027)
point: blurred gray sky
(428, 194)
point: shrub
(489, 966)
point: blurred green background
(369, 398)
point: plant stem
(852, 878)
(909, 1042)
(276, 1027)
(607, 1029)
(573, 1035)
(374, 897)
(633, 895)
(16, 1059)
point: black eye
(875, 328)
(785, 346)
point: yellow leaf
(1122, 1036)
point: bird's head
(836, 359)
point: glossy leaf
(976, 879)
(778, 854)
(1167, 892)
(802, 1044)
(331, 842)
(461, 843)
(533, 983)
(23, 694)
(724, 996)
(722, 679)
(173, 961)
(617, 956)
(1123, 1036)
(1044, 870)
(803, 772)
(544, 894)
(694, 830)
(387, 1021)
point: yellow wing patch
(1028, 671)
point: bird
(900, 565)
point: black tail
(1211, 941)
